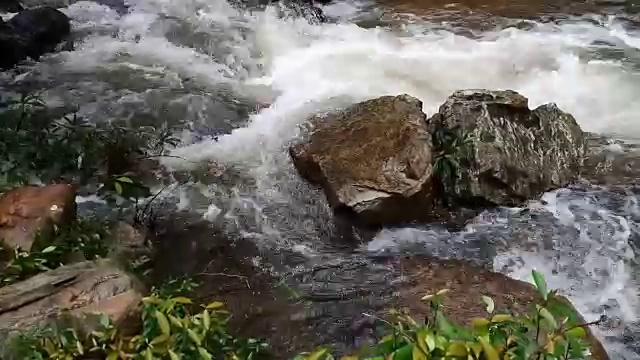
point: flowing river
(252, 78)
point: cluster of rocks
(377, 159)
(74, 292)
(30, 33)
(383, 160)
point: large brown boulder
(373, 158)
(513, 153)
(28, 211)
(77, 291)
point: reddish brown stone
(75, 290)
(29, 210)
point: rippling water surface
(253, 77)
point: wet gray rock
(513, 153)
(31, 33)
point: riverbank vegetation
(37, 148)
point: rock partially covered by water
(31, 33)
(513, 153)
(373, 158)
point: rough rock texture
(373, 158)
(31, 33)
(611, 162)
(75, 290)
(130, 244)
(29, 210)
(467, 284)
(324, 300)
(517, 153)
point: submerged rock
(373, 158)
(31, 33)
(515, 154)
(32, 210)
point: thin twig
(228, 275)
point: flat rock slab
(31, 210)
(77, 290)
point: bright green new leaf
(576, 332)
(214, 305)
(204, 354)
(206, 319)
(163, 323)
(182, 300)
(541, 284)
(547, 316)
(194, 337)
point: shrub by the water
(33, 147)
(173, 328)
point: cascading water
(209, 63)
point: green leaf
(182, 300)
(160, 339)
(206, 319)
(214, 305)
(113, 355)
(489, 352)
(421, 336)
(318, 354)
(547, 316)
(124, 179)
(404, 353)
(204, 354)
(418, 354)
(163, 323)
(48, 249)
(576, 332)
(491, 306)
(445, 326)
(501, 318)
(457, 349)
(541, 284)
(118, 188)
(173, 355)
(479, 322)
(194, 337)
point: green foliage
(452, 148)
(36, 145)
(170, 330)
(85, 237)
(542, 335)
